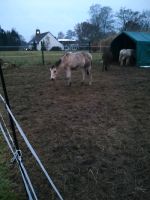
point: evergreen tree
(10, 40)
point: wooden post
(89, 47)
(42, 50)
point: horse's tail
(88, 69)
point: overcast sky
(54, 15)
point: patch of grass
(6, 184)
(28, 58)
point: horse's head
(53, 72)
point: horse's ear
(52, 66)
(58, 62)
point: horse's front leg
(90, 78)
(127, 61)
(83, 76)
(89, 73)
(68, 76)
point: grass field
(93, 140)
(27, 58)
(8, 188)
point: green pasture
(28, 58)
(6, 185)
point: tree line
(10, 40)
(103, 23)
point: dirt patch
(93, 140)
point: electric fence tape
(31, 149)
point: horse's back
(127, 52)
(77, 59)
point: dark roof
(38, 38)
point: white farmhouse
(46, 39)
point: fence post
(7, 101)
(42, 50)
(89, 47)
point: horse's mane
(57, 63)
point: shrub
(56, 49)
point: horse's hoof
(69, 84)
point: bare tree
(70, 34)
(86, 32)
(61, 35)
(130, 20)
(145, 22)
(103, 18)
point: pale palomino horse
(70, 61)
(126, 57)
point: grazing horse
(70, 61)
(126, 57)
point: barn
(140, 41)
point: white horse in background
(70, 61)
(126, 57)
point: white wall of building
(50, 41)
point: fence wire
(18, 158)
(26, 179)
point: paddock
(94, 141)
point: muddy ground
(94, 140)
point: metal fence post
(7, 101)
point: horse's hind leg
(90, 75)
(83, 76)
(69, 81)
(90, 79)
(103, 67)
(68, 76)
